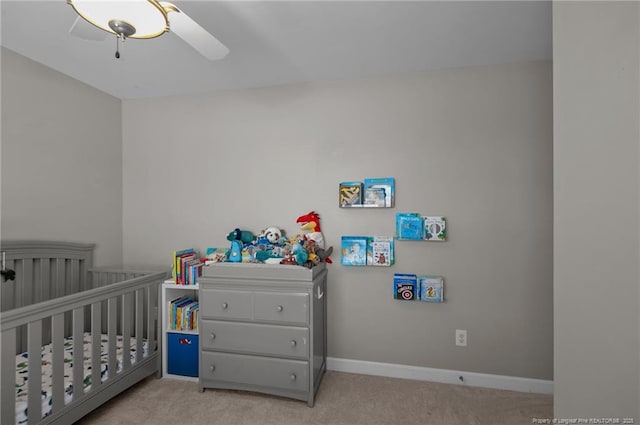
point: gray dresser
(263, 328)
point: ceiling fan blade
(84, 30)
(193, 34)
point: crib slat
(57, 360)
(58, 269)
(84, 278)
(19, 284)
(112, 317)
(139, 322)
(28, 294)
(96, 328)
(127, 305)
(45, 279)
(78, 353)
(34, 382)
(72, 276)
(8, 383)
(21, 338)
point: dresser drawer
(253, 338)
(226, 304)
(267, 372)
(282, 307)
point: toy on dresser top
(310, 226)
(247, 247)
(271, 246)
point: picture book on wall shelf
(350, 194)
(379, 192)
(353, 251)
(380, 251)
(435, 228)
(431, 288)
(405, 286)
(409, 226)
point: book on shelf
(177, 262)
(350, 194)
(379, 192)
(409, 226)
(193, 269)
(182, 313)
(172, 310)
(431, 288)
(187, 267)
(380, 251)
(405, 286)
(435, 228)
(353, 251)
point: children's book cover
(350, 194)
(435, 228)
(379, 192)
(405, 286)
(216, 255)
(431, 288)
(380, 251)
(353, 251)
(409, 226)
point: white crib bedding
(22, 371)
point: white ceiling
(283, 42)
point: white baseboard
(445, 376)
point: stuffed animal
(271, 236)
(274, 235)
(8, 274)
(310, 227)
(299, 253)
(316, 254)
(235, 254)
(243, 236)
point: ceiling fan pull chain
(117, 47)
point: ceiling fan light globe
(147, 17)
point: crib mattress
(22, 372)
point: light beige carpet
(343, 399)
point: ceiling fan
(142, 19)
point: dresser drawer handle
(213, 336)
(279, 308)
(224, 306)
(212, 368)
(293, 376)
(293, 342)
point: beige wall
(596, 214)
(61, 159)
(472, 144)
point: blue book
(409, 226)
(353, 251)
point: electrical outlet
(461, 337)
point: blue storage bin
(182, 354)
